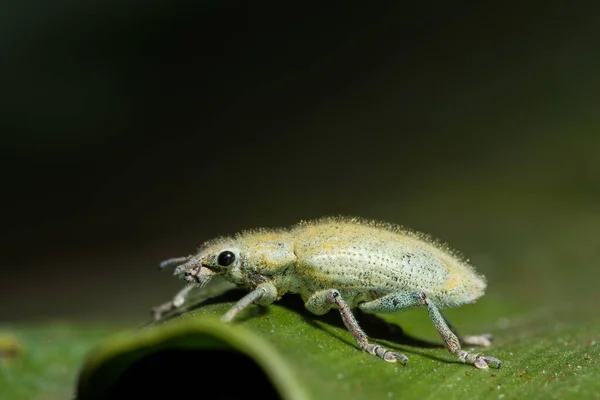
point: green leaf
(40, 361)
(285, 349)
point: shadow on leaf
(375, 327)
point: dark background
(132, 132)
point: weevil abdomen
(365, 261)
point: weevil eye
(226, 258)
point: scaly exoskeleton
(341, 263)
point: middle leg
(322, 301)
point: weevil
(341, 263)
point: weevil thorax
(246, 259)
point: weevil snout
(192, 275)
(189, 269)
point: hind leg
(484, 340)
(396, 302)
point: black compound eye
(226, 258)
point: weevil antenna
(173, 262)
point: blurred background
(132, 132)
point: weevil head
(244, 259)
(222, 257)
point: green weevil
(342, 263)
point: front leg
(264, 294)
(177, 302)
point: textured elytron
(367, 257)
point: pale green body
(363, 260)
(367, 262)
(342, 263)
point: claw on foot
(394, 357)
(480, 361)
(385, 354)
(483, 362)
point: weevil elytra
(341, 263)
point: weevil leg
(396, 302)
(391, 303)
(264, 294)
(177, 301)
(451, 340)
(321, 302)
(484, 340)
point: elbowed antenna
(173, 262)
